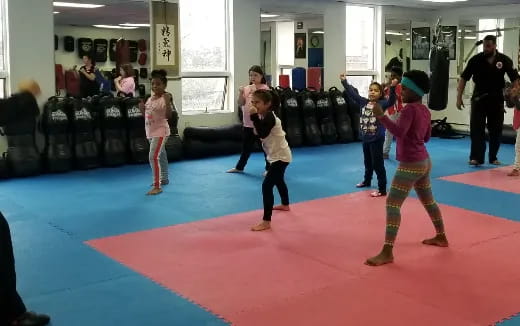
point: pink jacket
(248, 96)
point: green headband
(410, 84)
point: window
(3, 49)
(360, 46)
(489, 25)
(205, 68)
(360, 38)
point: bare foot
(234, 170)
(264, 225)
(514, 173)
(440, 240)
(154, 191)
(385, 257)
(282, 208)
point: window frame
(374, 72)
(4, 74)
(226, 74)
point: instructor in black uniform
(487, 103)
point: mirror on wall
(397, 44)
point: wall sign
(165, 37)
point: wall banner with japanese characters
(165, 37)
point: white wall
(307, 24)
(70, 59)
(334, 22)
(31, 46)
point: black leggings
(248, 143)
(11, 305)
(374, 161)
(274, 177)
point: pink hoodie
(248, 95)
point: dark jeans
(374, 161)
(274, 177)
(486, 112)
(11, 305)
(248, 142)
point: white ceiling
(136, 11)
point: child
(373, 132)
(269, 129)
(516, 125)
(412, 131)
(157, 110)
(256, 82)
(393, 112)
(125, 83)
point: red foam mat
(308, 270)
(496, 179)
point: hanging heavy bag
(439, 79)
(113, 132)
(86, 151)
(68, 44)
(326, 118)
(141, 44)
(85, 47)
(341, 116)
(72, 84)
(299, 78)
(122, 53)
(142, 59)
(132, 47)
(310, 121)
(174, 146)
(142, 90)
(293, 118)
(55, 42)
(112, 49)
(100, 50)
(143, 73)
(55, 125)
(138, 145)
(19, 113)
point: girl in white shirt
(276, 148)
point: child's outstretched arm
(351, 92)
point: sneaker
(234, 170)
(363, 185)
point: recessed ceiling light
(75, 5)
(393, 33)
(134, 25)
(318, 32)
(114, 26)
(268, 15)
(56, 12)
(444, 1)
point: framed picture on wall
(421, 40)
(450, 40)
(300, 45)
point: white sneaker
(234, 170)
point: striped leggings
(158, 160)
(408, 175)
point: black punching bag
(439, 79)
(310, 122)
(55, 125)
(293, 118)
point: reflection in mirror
(397, 44)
